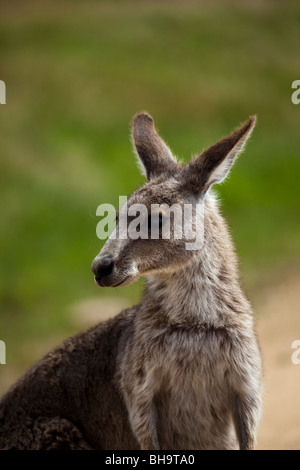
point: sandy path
(278, 326)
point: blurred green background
(76, 72)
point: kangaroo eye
(155, 221)
(160, 220)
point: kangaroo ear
(213, 165)
(153, 153)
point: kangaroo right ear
(153, 153)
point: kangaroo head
(150, 235)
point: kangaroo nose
(102, 267)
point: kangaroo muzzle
(102, 269)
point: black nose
(102, 267)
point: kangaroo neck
(206, 289)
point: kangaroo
(180, 370)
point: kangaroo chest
(193, 400)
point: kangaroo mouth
(103, 282)
(121, 282)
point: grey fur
(182, 369)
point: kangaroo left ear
(213, 165)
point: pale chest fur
(195, 398)
(191, 378)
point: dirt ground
(278, 327)
(277, 309)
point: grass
(75, 74)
